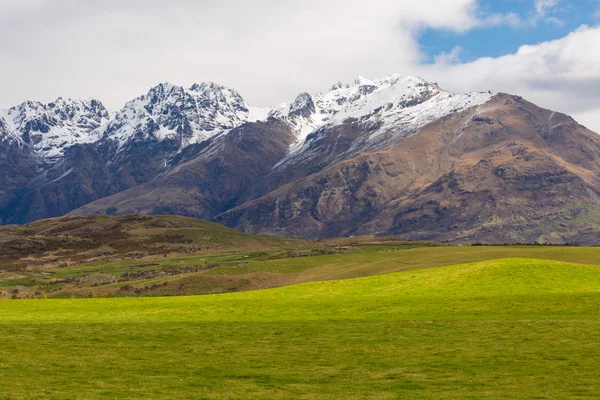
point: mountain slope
(504, 172)
(205, 179)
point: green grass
(508, 328)
(361, 261)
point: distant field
(499, 328)
(246, 269)
(141, 255)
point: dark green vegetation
(509, 328)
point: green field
(242, 270)
(502, 325)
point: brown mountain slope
(87, 172)
(508, 171)
(206, 179)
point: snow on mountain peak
(361, 80)
(303, 106)
(391, 107)
(395, 105)
(190, 115)
(48, 129)
(346, 100)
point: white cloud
(543, 9)
(511, 19)
(562, 75)
(10, 6)
(449, 58)
(268, 49)
(543, 6)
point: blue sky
(549, 21)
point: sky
(547, 51)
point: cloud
(511, 19)
(449, 58)
(562, 75)
(268, 49)
(543, 6)
(271, 50)
(542, 10)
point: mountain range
(397, 156)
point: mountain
(504, 171)
(184, 116)
(78, 152)
(394, 156)
(49, 129)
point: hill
(510, 328)
(87, 252)
(84, 239)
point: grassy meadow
(248, 269)
(496, 323)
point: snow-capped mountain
(188, 115)
(396, 106)
(388, 108)
(357, 99)
(49, 129)
(390, 156)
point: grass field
(241, 270)
(494, 329)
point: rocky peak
(212, 95)
(338, 86)
(7, 135)
(89, 113)
(51, 128)
(170, 112)
(303, 106)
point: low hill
(66, 241)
